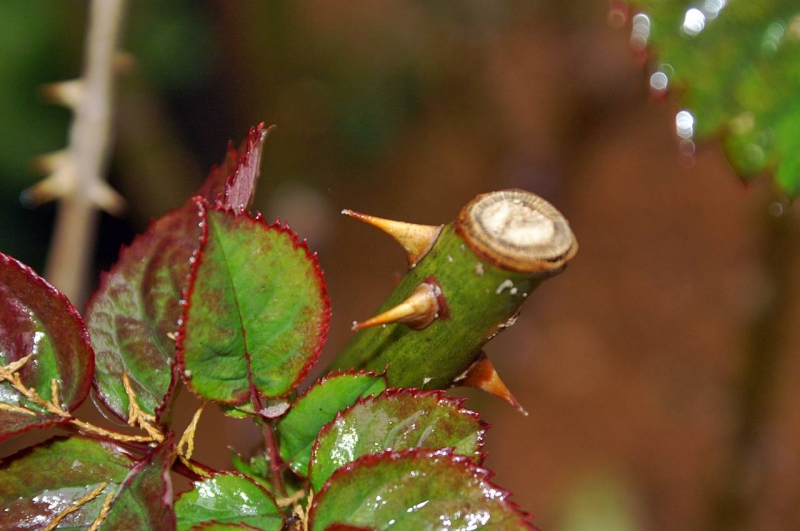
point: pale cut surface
(517, 230)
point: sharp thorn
(107, 199)
(482, 375)
(417, 240)
(419, 310)
(55, 186)
(66, 93)
(51, 162)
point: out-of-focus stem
(733, 504)
(89, 147)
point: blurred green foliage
(736, 68)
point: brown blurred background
(661, 370)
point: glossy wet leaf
(36, 485)
(735, 67)
(317, 407)
(133, 316)
(413, 490)
(228, 499)
(396, 420)
(144, 500)
(215, 526)
(256, 468)
(38, 320)
(257, 311)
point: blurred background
(661, 370)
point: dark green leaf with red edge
(144, 500)
(39, 483)
(409, 490)
(37, 319)
(233, 184)
(134, 314)
(135, 311)
(316, 408)
(256, 314)
(398, 419)
(345, 527)
(228, 498)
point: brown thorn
(66, 93)
(419, 310)
(58, 184)
(482, 375)
(417, 240)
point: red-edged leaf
(234, 182)
(413, 490)
(345, 527)
(316, 408)
(230, 499)
(39, 483)
(216, 526)
(397, 419)
(38, 320)
(256, 313)
(144, 500)
(134, 314)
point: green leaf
(215, 526)
(133, 315)
(736, 68)
(38, 320)
(228, 498)
(39, 483)
(397, 420)
(413, 490)
(257, 311)
(316, 408)
(145, 499)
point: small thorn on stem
(482, 375)
(57, 185)
(417, 240)
(66, 93)
(419, 310)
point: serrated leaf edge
(196, 261)
(82, 391)
(392, 394)
(370, 460)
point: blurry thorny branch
(77, 174)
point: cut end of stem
(517, 231)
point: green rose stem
(466, 283)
